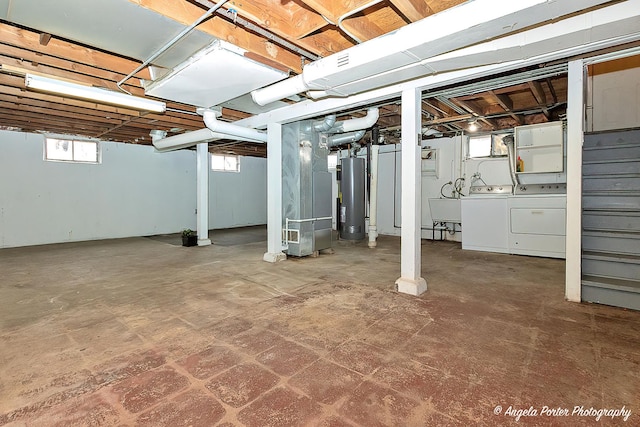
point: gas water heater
(352, 209)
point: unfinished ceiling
(99, 42)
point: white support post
(575, 136)
(202, 177)
(410, 281)
(274, 194)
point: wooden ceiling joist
(309, 25)
(30, 40)
(413, 10)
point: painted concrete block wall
(389, 190)
(239, 199)
(448, 170)
(134, 191)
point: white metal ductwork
(459, 27)
(184, 140)
(233, 131)
(356, 124)
(345, 138)
(215, 130)
(326, 124)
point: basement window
(67, 150)
(491, 145)
(225, 163)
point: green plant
(187, 232)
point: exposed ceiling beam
(186, 13)
(476, 112)
(505, 102)
(540, 96)
(552, 91)
(324, 8)
(538, 92)
(30, 40)
(449, 119)
(413, 10)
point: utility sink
(445, 210)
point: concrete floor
(141, 331)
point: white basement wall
(134, 191)
(614, 86)
(238, 199)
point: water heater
(352, 209)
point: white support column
(410, 281)
(274, 194)
(202, 177)
(575, 129)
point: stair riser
(597, 169)
(611, 222)
(612, 153)
(610, 244)
(606, 202)
(611, 268)
(617, 298)
(628, 137)
(611, 184)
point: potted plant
(189, 237)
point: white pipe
(277, 91)
(189, 139)
(234, 131)
(183, 140)
(358, 123)
(373, 197)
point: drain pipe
(171, 43)
(373, 196)
(231, 130)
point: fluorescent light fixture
(100, 95)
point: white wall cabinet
(540, 147)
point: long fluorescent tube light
(105, 96)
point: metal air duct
(387, 57)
